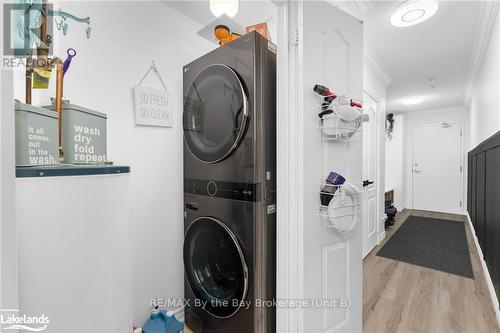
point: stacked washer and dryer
(229, 124)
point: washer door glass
(215, 266)
(215, 113)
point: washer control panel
(212, 188)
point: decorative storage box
(36, 135)
(83, 134)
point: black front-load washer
(229, 262)
(216, 269)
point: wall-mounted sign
(152, 107)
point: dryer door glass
(215, 266)
(215, 113)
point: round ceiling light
(413, 100)
(413, 12)
(228, 7)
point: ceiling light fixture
(228, 7)
(413, 100)
(413, 12)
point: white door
(370, 153)
(331, 46)
(437, 168)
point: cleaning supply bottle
(162, 322)
(172, 324)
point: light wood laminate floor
(400, 297)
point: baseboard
(380, 237)
(489, 283)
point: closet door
(332, 49)
(480, 198)
(324, 45)
(492, 221)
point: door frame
(409, 160)
(290, 188)
(380, 100)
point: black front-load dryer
(229, 112)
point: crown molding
(487, 17)
(358, 8)
(373, 62)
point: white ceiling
(440, 47)
(250, 12)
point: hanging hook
(88, 31)
(65, 28)
(58, 24)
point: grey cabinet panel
(473, 192)
(470, 174)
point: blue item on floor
(162, 322)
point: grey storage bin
(37, 141)
(83, 134)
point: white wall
(394, 162)
(126, 37)
(484, 116)
(456, 114)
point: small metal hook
(88, 31)
(58, 24)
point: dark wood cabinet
(480, 197)
(483, 202)
(472, 189)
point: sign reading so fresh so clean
(152, 107)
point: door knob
(417, 171)
(367, 182)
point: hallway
(399, 297)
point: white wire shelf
(334, 127)
(340, 206)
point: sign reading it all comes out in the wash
(152, 107)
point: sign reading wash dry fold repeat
(152, 107)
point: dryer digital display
(215, 113)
